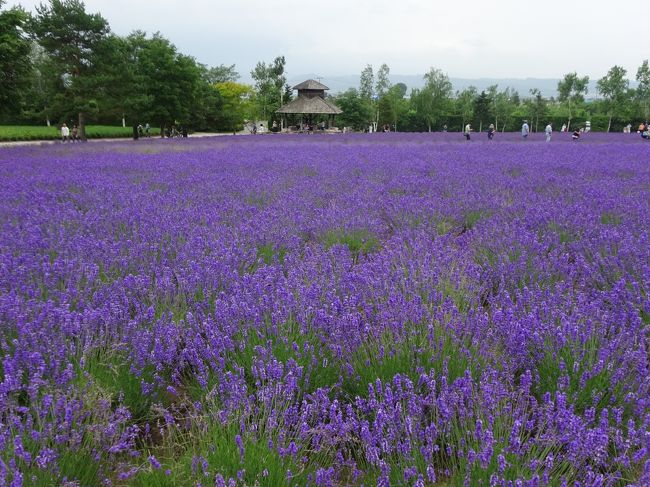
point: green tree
(614, 89)
(538, 107)
(571, 90)
(465, 104)
(121, 89)
(433, 100)
(236, 107)
(482, 108)
(145, 79)
(366, 82)
(392, 106)
(207, 107)
(643, 89)
(504, 103)
(15, 63)
(356, 109)
(44, 86)
(70, 36)
(383, 82)
(271, 86)
(221, 74)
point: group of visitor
(525, 131)
(140, 131)
(68, 135)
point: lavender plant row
(353, 310)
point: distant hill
(548, 86)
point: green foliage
(289, 341)
(576, 369)
(614, 89)
(608, 218)
(366, 82)
(434, 100)
(571, 90)
(268, 253)
(76, 464)
(214, 450)
(417, 350)
(465, 103)
(383, 82)
(168, 79)
(109, 373)
(392, 107)
(236, 105)
(221, 74)
(357, 110)
(643, 89)
(358, 242)
(70, 36)
(538, 108)
(25, 132)
(482, 108)
(271, 86)
(15, 62)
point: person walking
(74, 135)
(467, 131)
(65, 133)
(525, 130)
(490, 132)
(548, 131)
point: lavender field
(384, 309)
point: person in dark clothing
(135, 131)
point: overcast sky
(468, 38)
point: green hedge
(26, 132)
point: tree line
(62, 63)
(435, 106)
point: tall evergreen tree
(70, 36)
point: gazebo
(311, 101)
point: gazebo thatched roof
(310, 84)
(316, 105)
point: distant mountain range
(548, 86)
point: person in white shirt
(467, 131)
(65, 133)
(548, 131)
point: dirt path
(19, 143)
